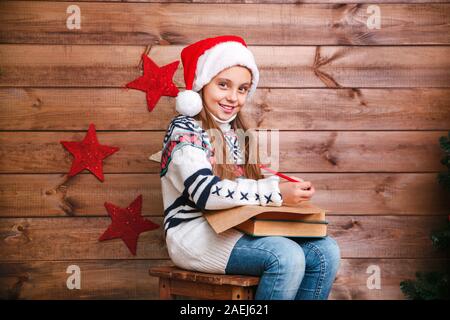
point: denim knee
(333, 251)
(329, 250)
(287, 256)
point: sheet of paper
(221, 220)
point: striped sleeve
(191, 174)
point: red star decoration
(156, 81)
(127, 224)
(88, 154)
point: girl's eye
(223, 85)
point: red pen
(281, 175)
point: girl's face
(225, 94)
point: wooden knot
(17, 235)
(336, 25)
(265, 107)
(57, 197)
(18, 228)
(16, 290)
(350, 224)
(38, 103)
(330, 158)
(50, 192)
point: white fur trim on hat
(221, 57)
(188, 103)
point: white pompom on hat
(189, 103)
(203, 60)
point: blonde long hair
(226, 170)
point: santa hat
(203, 60)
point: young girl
(221, 75)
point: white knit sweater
(189, 186)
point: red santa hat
(203, 60)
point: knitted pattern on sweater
(189, 186)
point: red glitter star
(88, 154)
(127, 224)
(156, 81)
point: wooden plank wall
(361, 111)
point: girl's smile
(226, 93)
(226, 108)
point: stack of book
(311, 225)
(305, 220)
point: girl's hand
(295, 192)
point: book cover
(288, 228)
(221, 220)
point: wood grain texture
(99, 279)
(366, 110)
(300, 151)
(339, 2)
(282, 24)
(309, 109)
(172, 272)
(263, 1)
(352, 278)
(28, 239)
(128, 279)
(280, 66)
(52, 195)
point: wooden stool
(174, 281)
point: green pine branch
(441, 239)
(444, 177)
(427, 286)
(434, 285)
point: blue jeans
(290, 268)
